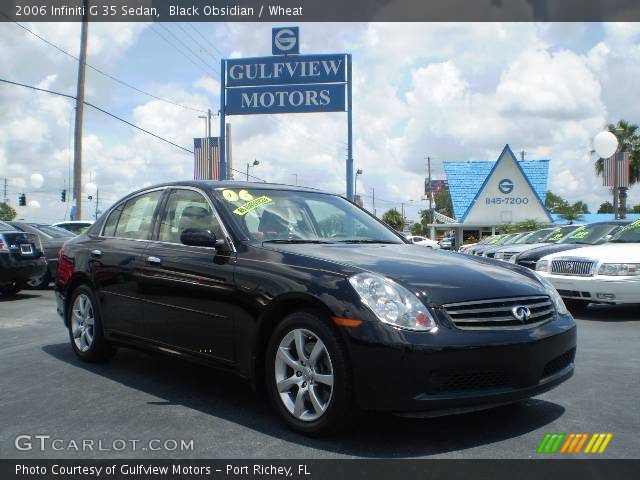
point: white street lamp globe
(90, 188)
(37, 180)
(605, 144)
(33, 204)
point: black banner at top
(277, 11)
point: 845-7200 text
(506, 200)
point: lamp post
(249, 165)
(355, 184)
(606, 144)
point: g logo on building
(285, 41)
(505, 186)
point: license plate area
(26, 249)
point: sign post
(287, 83)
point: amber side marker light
(346, 322)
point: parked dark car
(52, 239)
(585, 235)
(313, 297)
(505, 239)
(21, 259)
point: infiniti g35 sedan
(308, 295)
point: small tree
(636, 209)
(555, 203)
(572, 212)
(394, 219)
(7, 212)
(606, 207)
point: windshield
(629, 234)
(590, 234)
(53, 232)
(5, 227)
(266, 215)
(538, 236)
(520, 238)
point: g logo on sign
(505, 186)
(285, 41)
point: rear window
(5, 227)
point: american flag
(206, 159)
(623, 164)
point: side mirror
(200, 237)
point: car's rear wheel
(308, 375)
(85, 327)
(40, 283)
(10, 289)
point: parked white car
(424, 241)
(607, 273)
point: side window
(136, 219)
(186, 209)
(112, 222)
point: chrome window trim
(225, 231)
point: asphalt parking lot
(45, 390)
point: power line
(102, 72)
(186, 47)
(100, 110)
(205, 39)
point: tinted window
(589, 234)
(136, 220)
(4, 227)
(298, 215)
(112, 222)
(54, 232)
(186, 209)
(629, 234)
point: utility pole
(522, 154)
(373, 200)
(430, 193)
(4, 196)
(77, 147)
(97, 203)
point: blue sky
(451, 91)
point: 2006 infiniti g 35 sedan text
(309, 295)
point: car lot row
(594, 263)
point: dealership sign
(287, 83)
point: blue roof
(467, 178)
(593, 217)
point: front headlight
(391, 302)
(542, 266)
(622, 269)
(561, 308)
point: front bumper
(599, 288)
(455, 370)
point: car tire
(85, 327)
(39, 283)
(325, 409)
(10, 289)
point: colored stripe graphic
(569, 443)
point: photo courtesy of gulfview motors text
(315, 240)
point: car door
(190, 290)
(116, 257)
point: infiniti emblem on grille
(521, 313)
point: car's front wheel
(10, 289)
(308, 374)
(85, 327)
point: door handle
(96, 253)
(154, 260)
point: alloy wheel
(304, 374)
(82, 322)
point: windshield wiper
(367, 240)
(294, 240)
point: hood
(607, 252)
(446, 277)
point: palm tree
(394, 219)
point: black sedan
(313, 297)
(21, 259)
(52, 238)
(583, 236)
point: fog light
(605, 296)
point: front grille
(559, 363)
(466, 380)
(498, 313)
(582, 268)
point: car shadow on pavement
(19, 296)
(373, 435)
(607, 313)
